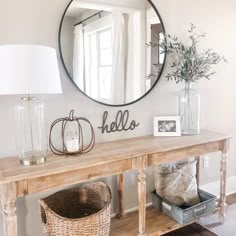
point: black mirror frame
(68, 74)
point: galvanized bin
(186, 214)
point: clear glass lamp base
(33, 158)
(31, 133)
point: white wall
(111, 5)
(67, 42)
(37, 21)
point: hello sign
(121, 122)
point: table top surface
(103, 153)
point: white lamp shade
(28, 69)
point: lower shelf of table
(157, 223)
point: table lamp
(27, 70)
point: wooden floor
(197, 230)
(231, 199)
(191, 230)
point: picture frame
(167, 126)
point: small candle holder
(72, 135)
(72, 142)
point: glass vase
(189, 110)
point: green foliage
(188, 64)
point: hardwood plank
(191, 230)
(223, 175)
(8, 209)
(156, 223)
(181, 153)
(231, 199)
(142, 202)
(104, 153)
(121, 207)
(197, 158)
(21, 188)
(77, 176)
(111, 158)
(1, 177)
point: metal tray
(185, 215)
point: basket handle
(109, 191)
(44, 208)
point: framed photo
(167, 126)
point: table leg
(223, 170)
(120, 183)
(8, 209)
(142, 202)
(197, 158)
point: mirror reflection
(104, 48)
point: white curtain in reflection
(136, 70)
(118, 58)
(78, 57)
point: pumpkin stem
(71, 115)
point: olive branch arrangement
(187, 63)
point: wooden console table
(106, 159)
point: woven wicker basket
(81, 211)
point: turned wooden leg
(8, 209)
(197, 158)
(142, 202)
(120, 183)
(223, 170)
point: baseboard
(213, 188)
(132, 209)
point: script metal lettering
(121, 122)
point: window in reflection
(161, 55)
(98, 60)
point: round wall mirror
(105, 48)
